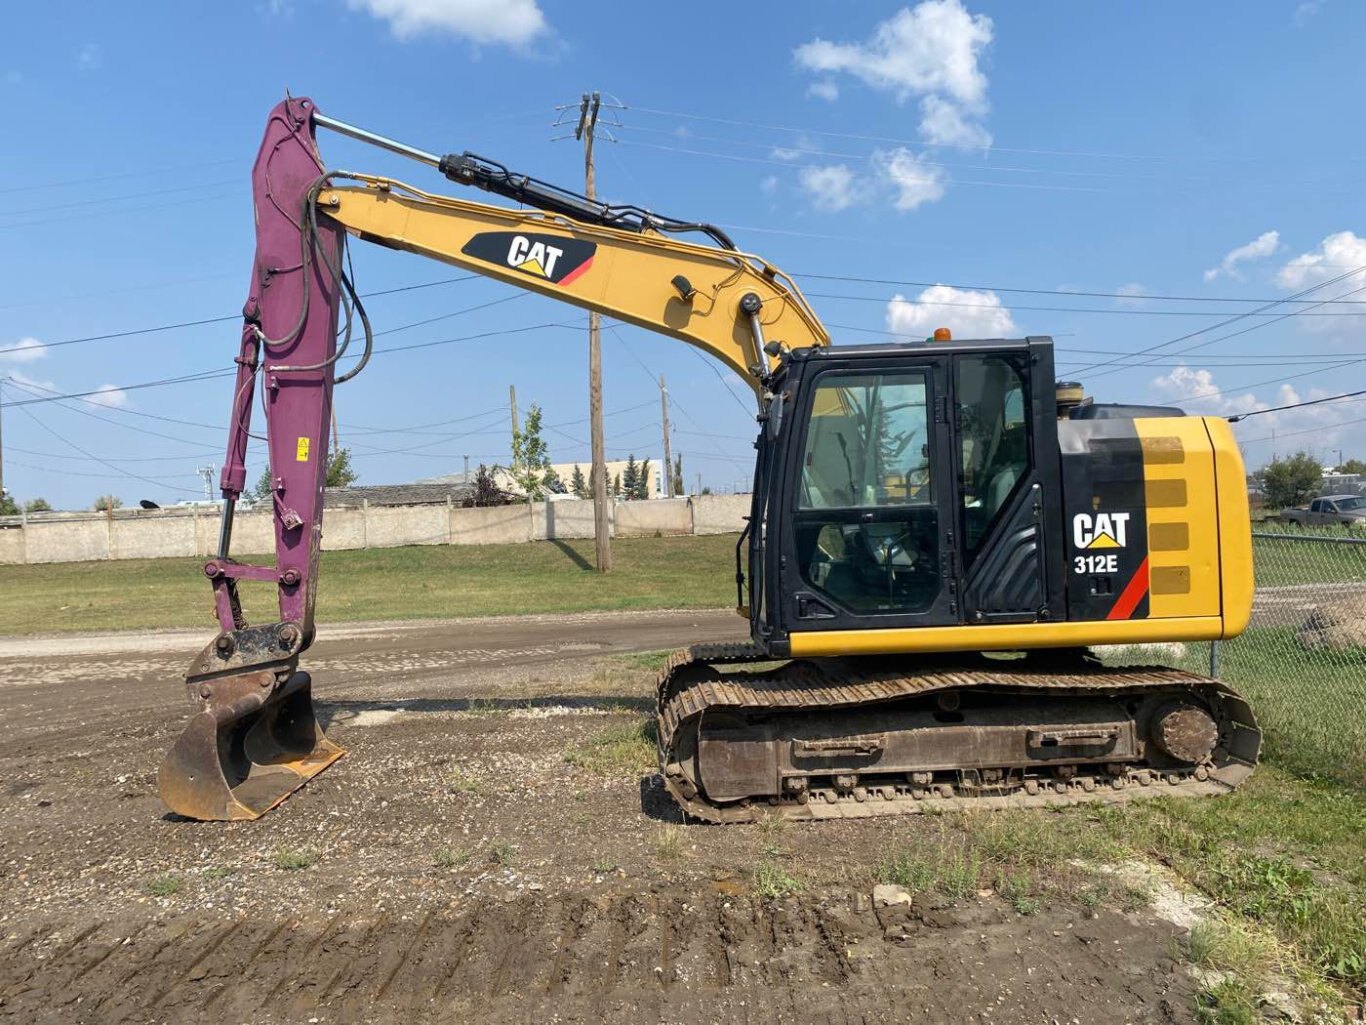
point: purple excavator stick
(254, 738)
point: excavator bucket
(254, 741)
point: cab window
(866, 519)
(993, 440)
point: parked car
(1330, 509)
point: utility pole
(588, 121)
(466, 478)
(512, 402)
(668, 450)
(2, 444)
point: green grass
(1311, 705)
(500, 852)
(1282, 857)
(1279, 563)
(427, 582)
(166, 884)
(450, 857)
(624, 749)
(772, 881)
(292, 859)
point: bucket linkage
(254, 739)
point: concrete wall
(187, 533)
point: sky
(1142, 182)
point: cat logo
(1102, 530)
(548, 257)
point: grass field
(1281, 860)
(1278, 562)
(382, 583)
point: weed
(167, 884)
(500, 853)
(669, 844)
(604, 865)
(219, 872)
(450, 857)
(624, 749)
(463, 781)
(959, 875)
(1019, 889)
(1227, 1002)
(772, 881)
(291, 859)
(902, 868)
(485, 707)
(651, 660)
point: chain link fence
(1301, 663)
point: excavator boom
(253, 738)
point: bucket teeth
(253, 742)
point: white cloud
(824, 89)
(1259, 248)
(1306, 10)
(832, 188)
(89, 57)
(785, 154)
(914, 181)
(1131, 294)
(513, 22)
(1336, 254)
(25, 350)
(946, 124)
(1318, 428)
(965, 312)
(111, 396)
(768, 184)
(931, 51)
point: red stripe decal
(1132, 594)
(576, 272)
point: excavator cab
(907, 487)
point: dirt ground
(456, 867)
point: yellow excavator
(940, 531)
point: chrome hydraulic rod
(402, 149)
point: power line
(1238, 418)
(1063, 293)
(1230, 320)
(899, 301)
(216, 320)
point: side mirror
(774, 423)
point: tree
(8, 506)
(577, 484)
(264, 486)
(108, 503)
(1290, 481)
(531, 457)
(678, 489)
(486, 490)
(1353, 466)
(630, 479)
(34, 505)
(616, 486)
(339, 472)
(643, 480)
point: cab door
(868, 514)
(1005, 483)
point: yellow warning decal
(301, 453)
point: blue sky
(942, 154)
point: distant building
(421, 493)
(565, 471)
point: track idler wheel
(253, 741)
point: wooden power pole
(668, 449)
(588, 120)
